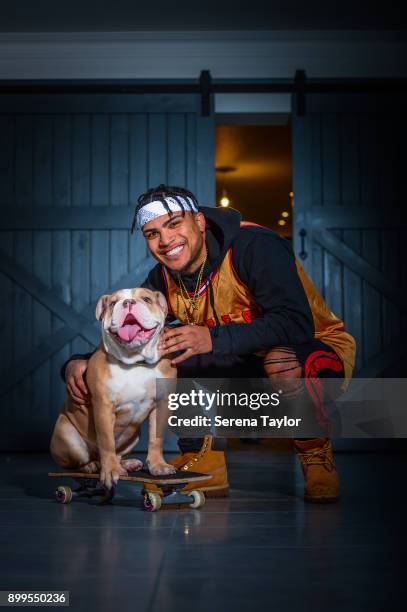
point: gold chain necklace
(193, 301)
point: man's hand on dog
(192, 339)
(75, 382)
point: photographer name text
(220, 421)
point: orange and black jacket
(252, 276)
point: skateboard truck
(153, 501)
(87, 488)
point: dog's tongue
(130, 328)
(128, 332)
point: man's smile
(174, 251)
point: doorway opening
(254, 169)
(254, 175)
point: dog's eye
(113, 304)
(148, 300)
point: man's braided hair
(159, 194)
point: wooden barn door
(71, 168)
(348, 231)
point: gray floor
(263, 547)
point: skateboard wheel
(152, 501)
(63, 495)
(199, 499)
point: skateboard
(170, 488)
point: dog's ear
(162, 301)
(101, 306)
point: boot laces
(196, 457)
(318, 456)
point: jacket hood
(223, 225)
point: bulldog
(121, 377)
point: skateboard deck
(169, 488)
(143, 476)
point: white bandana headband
(155, 209)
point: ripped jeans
(300, 369)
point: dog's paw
(91, 468)
(161, 468)
(110, 472)
(132, 465)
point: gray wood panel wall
(348, 183)
(71, 169)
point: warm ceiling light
(291, 194)
(281, 222)
(285, 214)
(224, 201)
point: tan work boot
(206, 461)
(321, 482)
